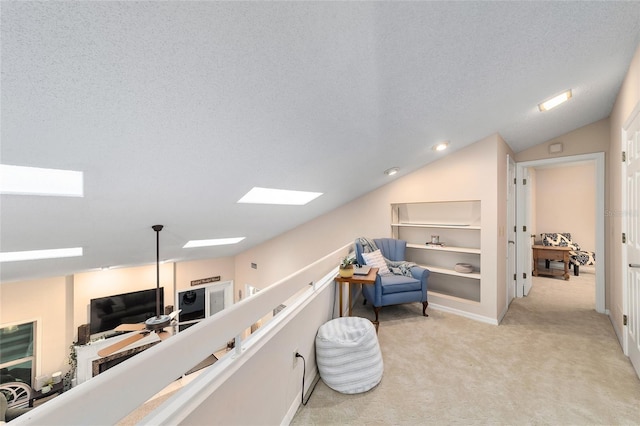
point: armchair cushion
(399, 283)
(376, 260)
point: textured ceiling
(174, 110)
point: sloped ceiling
(174, 110)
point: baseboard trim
(296, 404)
(619, 333)
(465, 314)
(502, 314)
(291, 412)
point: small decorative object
(346, 267)
(46, 389)
(464, 268)
(40, 382)
(56, 377)
(435, 242)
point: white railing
(112, 395)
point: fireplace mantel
(87, 355)
(100, 365)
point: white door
(523, 231)
(511, 231)
(631, 228)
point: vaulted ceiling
(174, 110)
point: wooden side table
(557, 253)
(368, 279)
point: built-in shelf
(444, 248)
(434, 225)
(438, 270)
(456, 225)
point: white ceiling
(174, 110)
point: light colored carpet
(553, 360)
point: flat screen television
(106, 313)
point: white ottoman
(348, 355)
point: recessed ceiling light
(20, 180)
(214, 242)
(15, 256)
(278, 196)
(555, 101)
(441, 146)
(392, 171)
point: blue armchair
(392, 289)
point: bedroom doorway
(526, 214)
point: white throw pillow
(376, 260)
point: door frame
(523, 239)
(512, 252)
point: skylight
(213, 242)
(278, 196)
(15, 256)
(20, 180)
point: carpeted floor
(553, 360)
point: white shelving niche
(457, 224)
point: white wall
(185, 272)
(591, 138)
(263, 390)
(45, 301)
(476, 172)
(565, 200)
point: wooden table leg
(340, 291)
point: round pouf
(348, 355)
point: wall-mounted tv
(128, 308)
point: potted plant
(69, 378)
(346, 267)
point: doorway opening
(527, 220)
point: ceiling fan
(155, 324)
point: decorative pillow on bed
(559, 240)
(376, 260)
